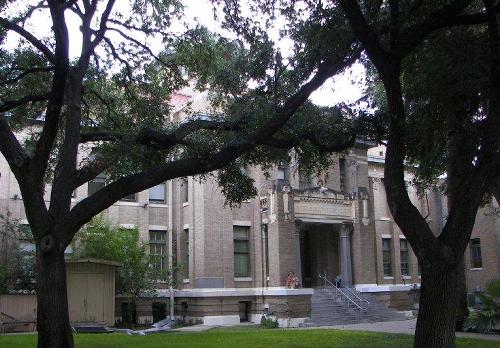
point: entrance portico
(323, 227)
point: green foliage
(269, 323)
(17, 261)
(444, 84)
(487, 317)
(101, 240)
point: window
(475, 253)
(280, 174)
(342, 174)
(129, 198)
(158, 251)
(98, 183)
(386, 257)
(158, 194)
(241, 251)
(403, 252)
(184, 190)
(186, 252)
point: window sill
(406, 277)
(158, 205)
(185, 204)
(243, 279)
(476, 269)
(185, 281)
(388, 277)
(130, 204)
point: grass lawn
(242, 337)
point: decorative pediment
(323, 205)
(324, 193)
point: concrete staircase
(330, 307)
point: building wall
(487, 229)
(210, 224)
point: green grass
(242, 337)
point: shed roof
(95, 260)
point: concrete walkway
(193, 328)
(404, 327)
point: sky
(346, 87)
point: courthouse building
(233, 262)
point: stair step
(329, 307)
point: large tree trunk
(54, 329)
(462, 308)
(436, 318)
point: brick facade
(301, 239)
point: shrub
(269, 323)
(488, 316)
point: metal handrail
(339, 290)
(356, 295)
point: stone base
(224, 307)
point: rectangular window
(184, 190)
(95, 185)
(186, 253)
(280, 174)
(158, 251)
(386, 257)
(129, 198)
(404, 256)
(157, 194)
(475, 253)
(241, 251)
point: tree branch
(446, 16)
(87, 173)
(83, 211)
(58, 89)
(8, 105)
(24, 73)
(29, 37)
(87, 51)
(10, 147)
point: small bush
(269, 323)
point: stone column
(345, 254)
(298, 259)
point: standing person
(290, 281)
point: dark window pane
(475, 253)
(387, 257)
(241, 251)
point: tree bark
(53, 326)
(462, 309)
(436, 322)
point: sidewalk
(404, 327)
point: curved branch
(8, 105)
(83, 211)
(24, 73)
(29, 37)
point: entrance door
(76, 296)
(85, 297)
(319, 254)
(95, 300)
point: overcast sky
(345, 88)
